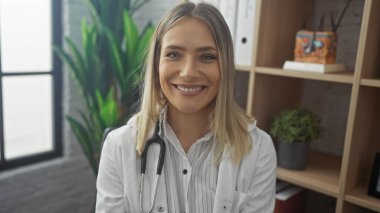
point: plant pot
(292, 155)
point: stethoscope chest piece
(155, 139)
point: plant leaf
(142, 46)
(130, 35)
(83, 137)
(76, 55)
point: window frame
(56, 74)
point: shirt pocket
(239, 200)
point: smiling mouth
(190, 90)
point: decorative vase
(292, 155)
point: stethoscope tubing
(144, 157)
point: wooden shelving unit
(370, 82)
(271, 89)
(358, 197)
(243, 68)
(343, 77)
(321, 174)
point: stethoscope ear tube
(154, 139)
(144, 157)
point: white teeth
(189, 90)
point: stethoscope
(154, 139)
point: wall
(66, 184)
(331, 100)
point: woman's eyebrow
(206, 48)
(199, 49)
(174, 47)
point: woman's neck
(188, 127)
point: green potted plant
(106, 67)
(294, 129)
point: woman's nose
(189, 70)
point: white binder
(228, 9)
(196, 1)
(245, 25)
(214, 3)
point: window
(30, 82)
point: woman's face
(189, 67)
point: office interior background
(67, 184)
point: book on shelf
(290, 199)
(281, 185)
(313, 67)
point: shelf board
(243, 68)
(339, 77)
(321, 174)
(358, 196)
(370, 82)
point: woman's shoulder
(258, 135)
(261, 140)
(260, 159)
(123, 136)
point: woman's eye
(208, 57)
(172, 55)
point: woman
(216, 159)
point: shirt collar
(164, 126)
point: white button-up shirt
(190, 177)
(206, 186)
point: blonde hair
(229, 122)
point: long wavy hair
(228, 121)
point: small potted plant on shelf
(294, 129)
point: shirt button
(184, 171)
(160, 209)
